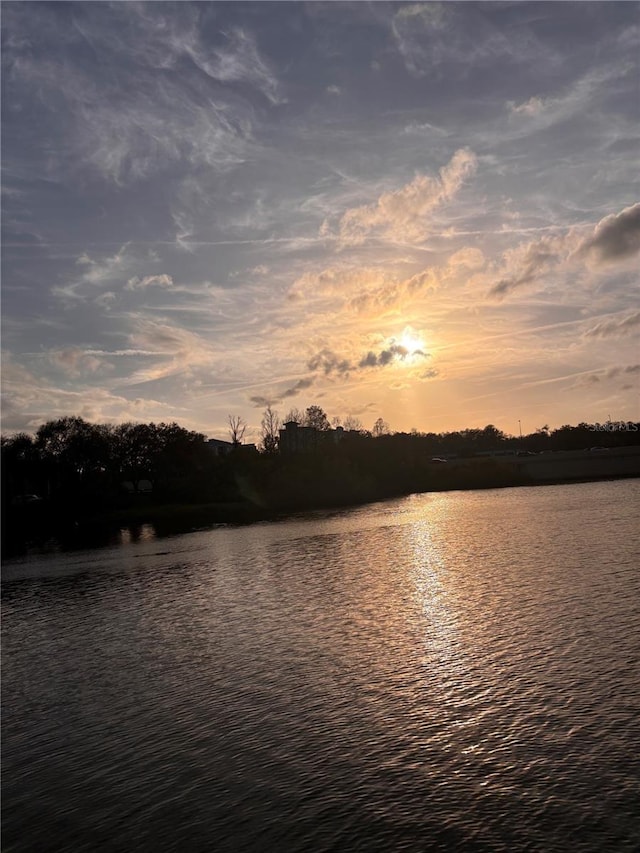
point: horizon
(255, 436)
(416, 212)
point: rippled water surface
(442, 672)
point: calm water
(443, 672)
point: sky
(423, 212)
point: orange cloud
(402, 214)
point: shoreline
(101, 528)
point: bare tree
(237, 429)
(270, 426)
(353, 424)
(381, 427)
(294, 416)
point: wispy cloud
(169, 168)
(615, 239)
(238, 60)
(533, 107)
(112, 271)
(432, 37)
(287, 393)
(131, 132)
(29, 400)
(76, 362)
(186, 350)
(543, 111)
(528, 262)
(137, 283)
(596, 376)
(613, 327)
(402, 214)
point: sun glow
(412, 342)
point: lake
(452, 671)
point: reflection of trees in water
(81, 468)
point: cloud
(528, 262)
(615, 238)
(75, 361)
(136, 119)
(259, 400)
(108, 269)
(581, 95)
(424, 129)
(29, 400)
(390, 292)
(440, 39)
(411, 27)
(358, 287)
(595, 377)
(329, 362)
(105, 300)
(614, 327)
(239, 60)
(113, 271)
(179, 350)
(386, 356)
(137, 283)
(402, 214)
(533, 107)
(468, 257)
(430, 373)
(340, 281)
(135, 140)
(301, 385)
(161, 39)
(96, 273)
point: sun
(412, 342)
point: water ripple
(445, 672)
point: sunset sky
(427, 213)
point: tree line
(89, 475)
(72, 458)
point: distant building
(218, 447)
(247, 449)
(303, 439)
(224, 448)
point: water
(442, 672)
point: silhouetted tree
(316, 417)
(237, 428)
(270, 430)
(20, 465)
(380, 427)
(294, 416)
(73, 452)
(182, 454)
(353, 424)
(136, 452)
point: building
(218, 447)
(304, 439)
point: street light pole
(520, 427)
